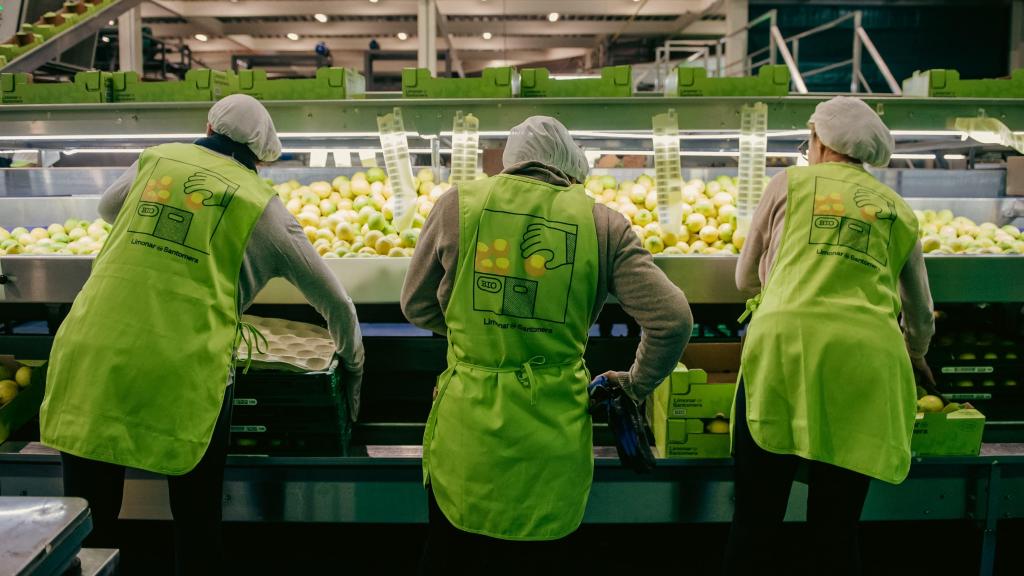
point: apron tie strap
(526, 377)
(752, 305)
(252, 337)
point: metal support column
(1017, 35)
(426, 34)
(129, 40)
(855, 77)
(736, 18)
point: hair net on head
(243, 119)
(544, 139)
(849, 126)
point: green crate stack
(493, 83)
(290, 413)
(329, 84)
(947, 83)
(954, 434)
(199, 85)
(88, 87)
(46, 31)
(770, 81)
(615, 82)
(681, 410)
(12, 50)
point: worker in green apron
(826, 377)
(141, 369)
(514, 269)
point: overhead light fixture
(553, 17)
(320, 17)
(403, 36)
(111, 22)
(293, 36)
(201, 37)
(487, 36)
(373, 1)
(105, 39)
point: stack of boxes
(688, 413)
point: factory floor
(933, 548)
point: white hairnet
(849, 126)
(544, 139)
(243, 119)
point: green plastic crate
(770, 81)
(955, 434)
(615, 82)
(686, 438)
(947, 83)
(18, 88)
(705, 392)
(12, 51)
(493, 83)
(25, 405)
(329, 84)
(199, 85)
(46, 31)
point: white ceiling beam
(253, 8)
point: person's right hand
(924, 377)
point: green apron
(825, 368)
(508, 448)
(139, 367)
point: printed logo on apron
(523, 266)
(845, 215)
(182, 203)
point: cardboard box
(704, 385)
(88, 87)
(615, 82)
(686, 81)
(685, 438)
(198, 85)
(947, 84)
(25, 405)
(493, 83)
(329, 84)
(955, 434)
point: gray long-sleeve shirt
(625, 270)
(278, 248)
(762, 244)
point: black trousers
(763, 481)
(196, 499)
(452, 552)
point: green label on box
(248, 429)
(245, 402)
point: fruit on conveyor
(708, 218)
(354, 217)
(718, 425)
(23, 376)
(943, 233)
(79, 237)
(8, 391)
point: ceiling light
(320, 17)
(105, 39)
(111, 22)
(553, 17)
(373, 1)
(487, 36)
(202, 37)
(403, 36)
(293, 36)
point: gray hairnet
(849, 126)
(243, 119)
(544, 139)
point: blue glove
(626, 423)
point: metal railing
(712, 52)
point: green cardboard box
(329, 84)
(26, 404)
(199, 85)
(947, 83)
(685, 438)
(18, 88)
(704, 385)
(770, 81)
(615, 82)
(493, 83)
(955, 434)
